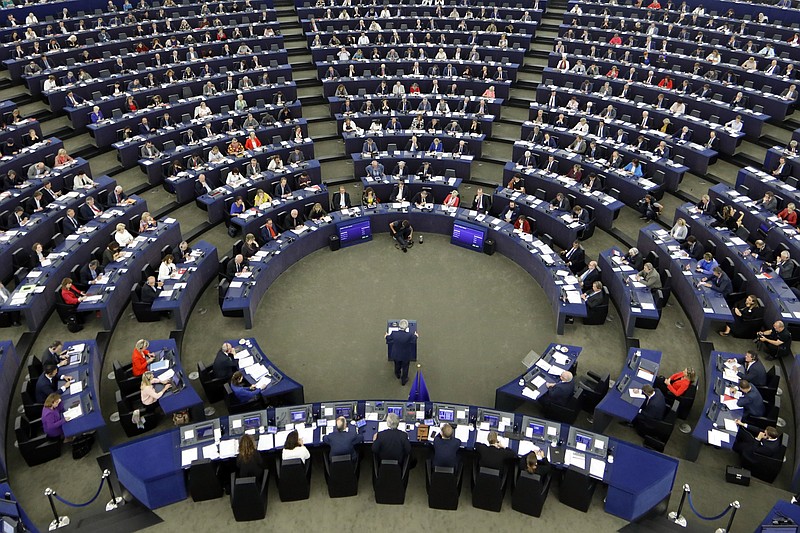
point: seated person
(693, 248)
(777, 342)
(249, 247)
(53, 418)
(150, 290)
(706, 264)
(745, 312)
(342, 441)
(575, 257)
(422, 199)
(147, 391)
(649, 276)
(677, 384)
(446, 448)
(293, 448)
(249, 462)
(47, 383)
(392, 444)
(752, 440)
(70, 294)
(653, 409)
(560, 392)
(317, 212)
(225, 364)
(242, 391)
(236, 266)
(294, 219)
(536, 463)
(750, 368)
(269, 232)
(493, 455)
(750, 399)
(54, 355)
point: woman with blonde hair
(122, 235)
(147, 391)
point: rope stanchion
(708, 518)
(734, 505)
(676, 516)
(115, 501)
(58, 521)
(96, 494)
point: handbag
(180, 418)
(82, 446)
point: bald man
(224, 363)
(560, 392)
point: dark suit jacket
(752, 403)
(149, 293)
(514, 213)
(86, 274)
(491, 457)
(86, 213)
(595, 299)
(68, 226)
(655, 406)
(785, 270)
(224, 366)
(578, 259)
(756, 374)
(396, 191)
(590, 278)
(486, 202)
(30, 205)
(445, 451)
(391, 445)
(231, 271)
(45, 386)
(337, 198)
(708, 209)
(199, 190)
(343, 443)
(721, 284)
(560, 393)
(402, 345)
(696, 252)
(290, 222)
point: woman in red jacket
(522, 224)
(140, 358)
(70, 294)
(677, 384)
(789, 214)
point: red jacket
(70, 296)
(791, 218)
(678, 384)
(522, 224)
(139, 361)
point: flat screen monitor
(468, 236)
(354, 231)
(446, 415)
(493, 420)
(251, 422)
(538, 429)
(398, 410)
(297, 416)
(586, 440)
(204, 432)
(343, 410)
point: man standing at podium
(402, 342)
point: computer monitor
(468, 236)
(493, 420)
(354, 231)
(537, 430)
(540, 429)
(252, 422)
(395, 409)
(297, 416)
(587, 441)
(205, 432)
(344, 410)
(446, 415)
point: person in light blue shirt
(706, 264)
(241, 390)
(635, 168)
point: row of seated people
(696, 17)
(424, 170)
(282, 187)
(437, 122)
(37, 169)
(436, 70)
(370, 84)
(415, 144)
(453, 11)
(376, 37)
(79, 181)
(31, 137)
(440, 52)
(97, 56)
(173, 70)
(686, 30)
(745, 68)
(524, 27)
(416, 102)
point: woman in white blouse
(582, 127)
(680, 230)
(294, 449)
(202, 111)
(147, 391)
(215, 156)
(123, 236)
(167, 268)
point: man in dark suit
(751, 369)
(342, 441)
(17, 218)
(149, 290)
(762, 251)
(589, 276)
(706, 206)
(402, 344)
(282, 189)
(201, 186)
(654, 406)
(719, 282)
(693, 248)
(782, 169)
(560, 392)
(482, 203)
(392, 444)
(293, 220)
(70, 223)
(89, 210)
(35, 203)
(575, 257)
(224, 363)
(47, 383)
(750, 400)
(445, 448)
(90, 272)
(54, 355)
(766, 442)
(341, 200)
(595, 297)
(783, 265)
(236, 266)
(400, 192)
(510, 213)
(494, 455)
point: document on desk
(244, 362)
(93, 298)
(636, 393)
(264, 382)
(210, 452)
(76, 387)
(730, 403)
(307, 434)
(166, 294)
(560, 358)
(166, 375)
(241, 354)
(730, 375)
(76, 348)
(597, 467)
(235, 284)
(73, 413)
(730, 425)
(574, 297)
(462, 433)
(228, 448)
(266, 441)
(538, 381)
(555, 371)
(187, 456)
(716, 437)
(382, 426)
(645, 375)
(544, 365)
(576, 459)
(526, 447)
(530, 393)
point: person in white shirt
(343, 54)
(680, 230)
(31, 19)
(167, 268)
(363, 39)
(678, 107)
(767, 51)
(123, 236)
(714, 58)
(215, 156)
(293, 448)
(50, 83)
(375, 126)
(235, 178)
(82, 181)
(735, 125)
(572, 105)
(202, 111)
(582, 127)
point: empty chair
(389, 481)
(576, 490)
(294, 479)
(34, 446)
(341, 475)
(443, 485)
(213, 386)
(131, 429)
(249, 497)
(204, 483)
(593, 389)
(488, 488)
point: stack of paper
(187, 456)
(266, 441)
(228, 448)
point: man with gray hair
(401, 349)
(343, 442)
(560, 392)
(225, 364)
(392, 444)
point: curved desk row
(180, 292)
(253, 219)
(258, 370)
(703, 306)
(370, 83)
(182, 396)
(18, 130)
(695, 156)
(504, 13)
(492, 105)
(105, 131)
(558, 224)
(42, 226)
(728, 141)
(515, 40)
(404, 120)
(272, 141)
(354, 143)
(111, 298)
(216, 202)
(82, 398)
(772, 160)
(641, 368)
(637, 479)
(335, 25)
(634, 301)
(440, 162)
(406, 66)
(439, 187)
(605, 208)
(29, 155)
(542, 371)
(36, 296)
(534, 256)
(488, 53)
